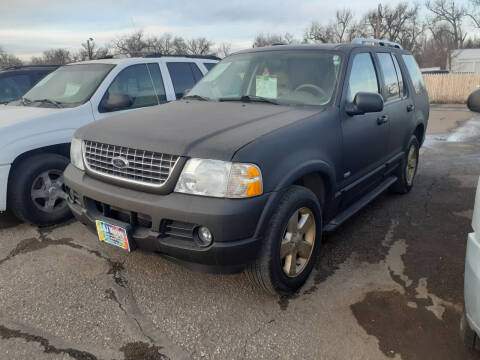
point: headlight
(76, 153)
(220, 179)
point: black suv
(15, 81)
(272, 147)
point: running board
(365, 200)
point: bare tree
(8, 59)
(449, 16)
(90, 51)
(342, 29)
(199, 46)
(474, 13)
(179, 45)
(161, 45)
(224, 50)
(131, 45)
(269, 39)
(53, 56)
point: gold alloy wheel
(411, 164)
(298, 242)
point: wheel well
(60, 149)
(318, 183)
(419, 133)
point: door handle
(382, 119)
(410, 107)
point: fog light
(205, 236)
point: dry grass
(451, 88)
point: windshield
(283, 77)
(69, 85)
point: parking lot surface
(388, 284)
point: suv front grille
(141, 166)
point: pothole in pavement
(140, 350)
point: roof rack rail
(362, 41)
(208, 57)
(15, 67)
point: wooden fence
(451, 88)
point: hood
(10, 115)
(24, 128)
(203, 129)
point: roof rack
(362, 41)
(209, 57)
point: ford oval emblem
(120, 162)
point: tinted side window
(363, 77)
(182, 77)
(209, 66)
(415, 74)
(134, 81)
(157, 82)
(197, 74)
(401, 83)
(389, 76)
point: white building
(465, 61)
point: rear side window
(401, 83)
(184, 75)
(415, 74)
(157, 82)
(392, 90)
(363, 77)
(135, 81)
(209, 66)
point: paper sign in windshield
(266, 86)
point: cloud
(29, 26)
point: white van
(36, 130)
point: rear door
(398, 104)
(365, 139)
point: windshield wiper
(48, 101)
(248, 98)
(197, 97)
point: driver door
(365, 137)
(143, 83)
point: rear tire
(407, 169)
(35, 190)
(291, 244)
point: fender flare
(306, 168)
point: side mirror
(117, 102)
(365, 102)
(473, 102)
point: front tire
(291, 244)
(407, 169)
(35, 190)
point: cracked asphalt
(388, 284)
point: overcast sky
(27, 27)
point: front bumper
(472, 282)
(233, 222)
(4, 171)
